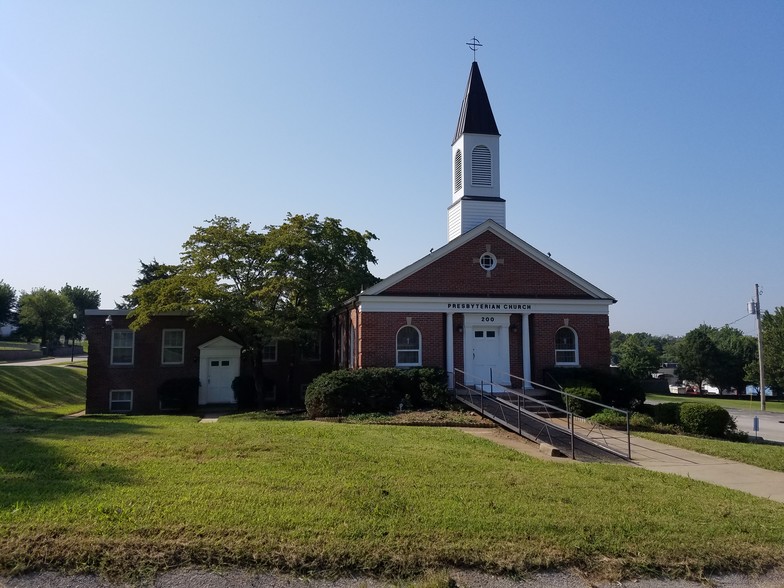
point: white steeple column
(450, 350)
(526, 352)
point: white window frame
(575, 349)
(113, 400)
(180, 347)
(113, 346)
(398, 350)
(265, 359)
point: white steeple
(476, 185)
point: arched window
(458, 170)
(409, 347)
(481, 166)
(566, 350)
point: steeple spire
(476, 183)
(476, 116)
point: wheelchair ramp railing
(529, 412)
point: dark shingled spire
(476, 116)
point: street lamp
(73, 335)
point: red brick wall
(147, 372)
(457, 274)
(593, 340)
(378, 337)
(289, 373)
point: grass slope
(42, 390)
(129, 495)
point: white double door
(487, 349)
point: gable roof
(476, 116)
(502, 233)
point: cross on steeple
(473, 44)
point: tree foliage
(638, 356)
(773, 348)
(7, 302)
(260, 286)
(45, 314)
(81, 298)
(719, 356)
(148, 273)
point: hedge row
(345, 392)
(695, 418)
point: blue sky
(642, 142)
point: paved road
(771, 424)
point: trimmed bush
(244, 388)
(179, 394)
(609, 418)
(667, 413)
(578, 406)
(642, 422)
(380, 390)
(706, 419)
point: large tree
(698, 356)
(7, 302)
(81, 298)
(638, 357)
(45, 314)
(736, 352)
(773, 347)
(718, 356)
(773, 350)
(148, 273)
(261, 286)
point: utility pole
(759, 348)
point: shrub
(706, 419)
(666, 413)
(577, 405)
(244, 388)
(616, 389)
(179, 394)
(609, 418)
(642, 422)
(344, 392)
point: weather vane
(474, 44)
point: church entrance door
(485, 354)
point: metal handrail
(523, 398)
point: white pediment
(219, 343)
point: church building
(487, 307)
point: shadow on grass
(24, 389)
(37, 465)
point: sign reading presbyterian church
(488, 306)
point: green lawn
(770, 406)
(129, 495)
(43, 390)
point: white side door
(220, 374)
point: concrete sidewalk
(715, 470)
(47, 361)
